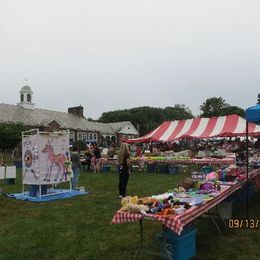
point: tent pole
(247, 170)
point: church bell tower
(26, 97)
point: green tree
(219, 107)
(10, 136)
(214, 107)
(147, 118)
(234, 110)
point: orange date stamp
(243, 223)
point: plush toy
(179, 190)
(148, 201)
(212, 176)
(136, 208)
(129, 204)
(166, 212)
(197, 184)
(186, 184)
(128, 199)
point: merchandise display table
(177, 222)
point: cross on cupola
(26, 96)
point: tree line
(146, 118)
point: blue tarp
(52, 194)
(253, 114)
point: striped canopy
(223, 126)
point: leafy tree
(213, 107)
(234, 110)
(147, 118)
(219, 107)
(10, 135)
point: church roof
(41, 117)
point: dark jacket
(75, 159)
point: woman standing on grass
(124, 170)
(75, 159)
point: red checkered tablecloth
(177, 222)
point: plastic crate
(151, 167)
(163, 168)
(18, 164)
(181, 247)
(173, 169)
(106, 168)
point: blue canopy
(253, 114)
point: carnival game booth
(46, 163)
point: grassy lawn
(79, 228)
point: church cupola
(26, 97)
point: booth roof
(253, 114)
(223, 126)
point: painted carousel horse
(54, 160)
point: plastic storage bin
(18, 164)
(181, 247)
(173, 169)
(151, 167)
(34, 190)
(163, 168)
(106, 168)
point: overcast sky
(115, 54)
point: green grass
(79, 228)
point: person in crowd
(75, 160)
(257, 144)
(138, 152)
(124, 168)
(88, 157)
(96, 159)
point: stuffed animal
(129, 199)
(129, 204)
(186, 184)
(212, 176)
(148, 201)
(136, 208)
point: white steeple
(26, 97)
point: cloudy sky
(114, 54)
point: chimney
(76, 111)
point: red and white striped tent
(223, 126)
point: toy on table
(129, 204)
